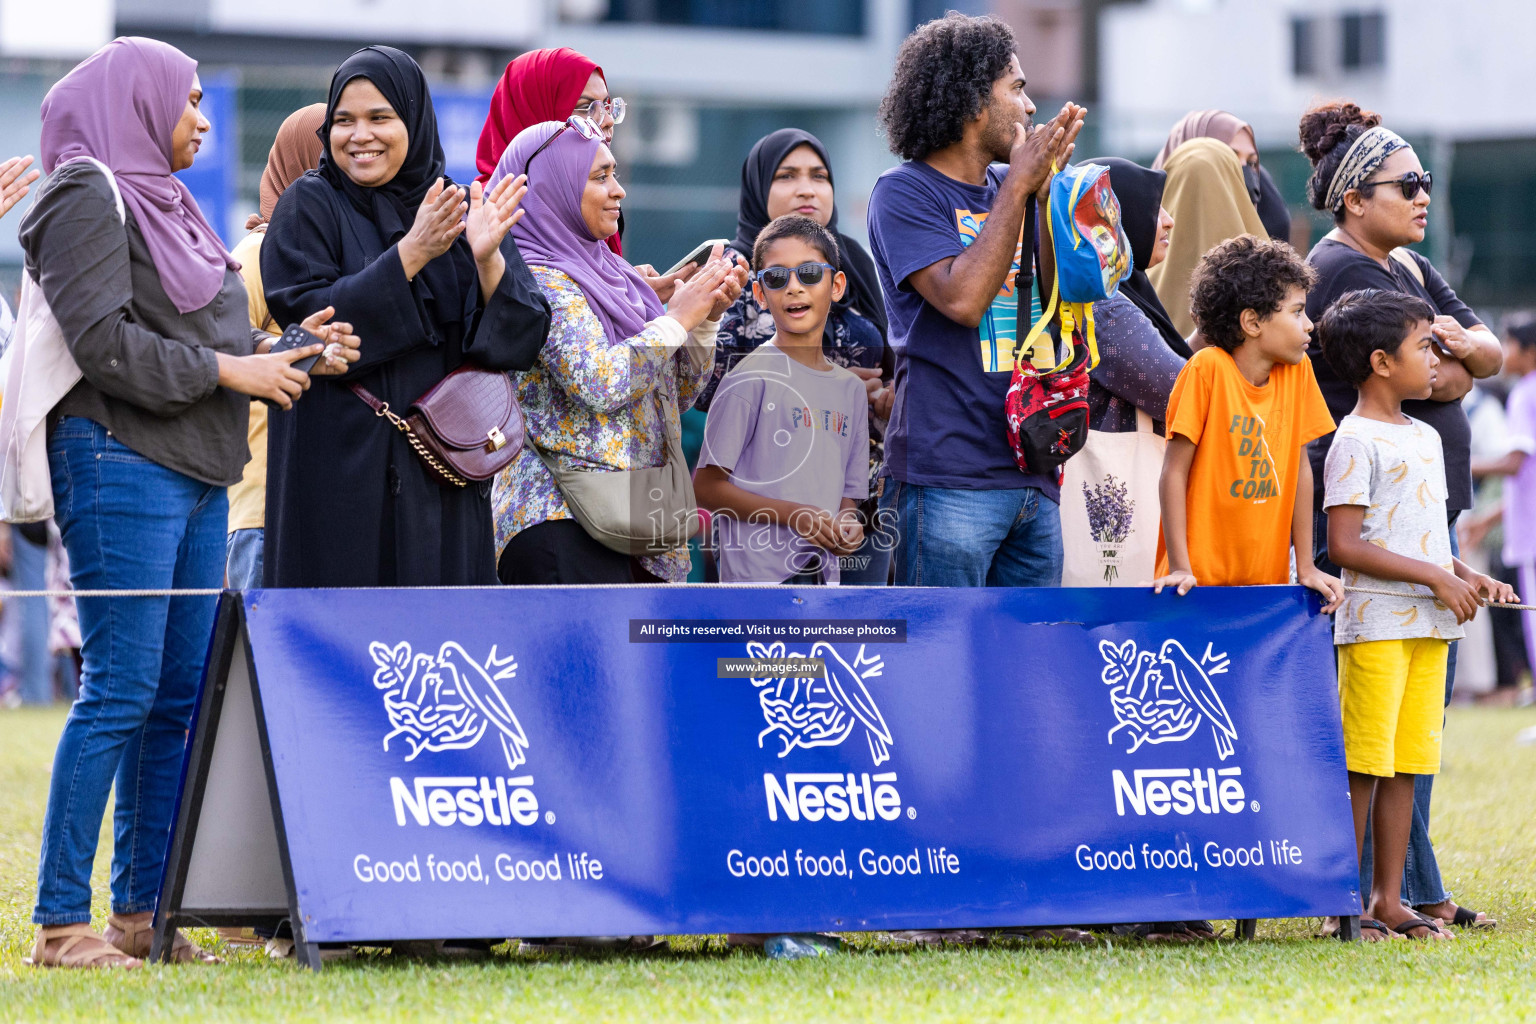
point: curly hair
(1243, 273)
(1365, 321)
(1326, 132)
(943, 80)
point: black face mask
(1251, 179)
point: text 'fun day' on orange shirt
(1242, 484)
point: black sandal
(1463, 918)
(1419, 921)
(1366, 922)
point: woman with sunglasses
(1372, 183)
(608, 386)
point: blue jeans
(242, 566)
(128, 523)
(29, 571)
(949, 537)
(870, 565)
(1422, 883)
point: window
(823, 17)
(1304, 46)
(1365, 41)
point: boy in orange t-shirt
(1236, 488)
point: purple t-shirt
(785, 431)
(1520, 489)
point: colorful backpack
(1047, 410)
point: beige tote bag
(634, 512)
(36, 372)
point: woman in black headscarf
(788, 172)
(430, 279)
(1140, 350)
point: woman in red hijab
(546, 85)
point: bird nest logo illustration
(822, 711)
(1165, 697)
(448, 702)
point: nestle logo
(464, 800)
(1163, 791)
(833, 795)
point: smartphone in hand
(698, 257)
(297, 337)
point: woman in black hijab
(1140, 350)
(381, 232)
(789, 172)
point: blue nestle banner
(570, 761)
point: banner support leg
(161, 939)
(308, 954)
(1247, 927)
(1349, 928)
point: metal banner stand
(228, 861)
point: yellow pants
(1392, 695)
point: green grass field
(1483, 828)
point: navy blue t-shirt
(948, 427)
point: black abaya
(349, 504)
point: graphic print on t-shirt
(999, 330)
(1258, 477)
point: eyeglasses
(584, 126)
(1410, 183)
(774, 278)
(594, 109)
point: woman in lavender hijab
(140, 452)
(593, 401)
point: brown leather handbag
(467, 427)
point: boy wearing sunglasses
(784, 460)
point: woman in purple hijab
(593, 400)
(140, 452)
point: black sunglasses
(774, 278)
(1410, 183)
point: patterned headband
(1360, 162)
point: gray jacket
(151, 373)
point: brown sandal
(135, 937)
(81, 947)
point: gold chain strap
(421, 449)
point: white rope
(1431, 597)
(214, 592)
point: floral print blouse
(593, 403)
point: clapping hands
(439, 221)
(709, 292)
(492, 215)
(15, 181)
(1037, 150)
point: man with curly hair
(1237, 487)
(946, 229)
